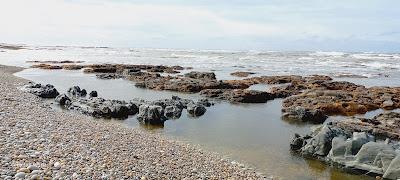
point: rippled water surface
(251, 133)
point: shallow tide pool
(253, 134)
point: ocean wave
(328, 53)
(375, 56)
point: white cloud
(129, 23)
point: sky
(325, 25)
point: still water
(253, 134)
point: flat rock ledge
(38, 142)
(367, 146)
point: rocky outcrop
(201, 75)
(150, 112)
(344, 99)
(354, 146)
(238, 95)
(72, 67)
(99, 107)
(43, 91)
(303, 114)
(46, 66)
(383, 125)
(242, 74)
(108, 76)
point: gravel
(37, 142)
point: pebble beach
(38, 142)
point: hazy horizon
(286, 25)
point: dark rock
(205, 102)
(46, 91)
(63, 99)
(93, 94)
(151, 114)
(77, 91)
(172, 112)
(303, 114)
(297, 142)
(196, 110)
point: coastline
(43, 143)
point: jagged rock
(172, 112)
(99, 107)
(321, 143)
(297, 142)
(77, 91)
(46, 91)
(151, 114)
(196, 110)
(63, 99)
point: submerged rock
(46, 91)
